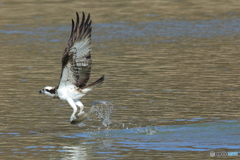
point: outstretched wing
(76, 60)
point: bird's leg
(80, 105)
(72, 104)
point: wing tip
(103, 77)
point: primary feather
(76, 60)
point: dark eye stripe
(51, 90)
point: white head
(50, 91)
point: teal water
(169, 28)
(200, 137)
(192, 137)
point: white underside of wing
(67, 88)
(67, 79)
(81, 49)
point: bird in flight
(76, 68)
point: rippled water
(172, 73)
(143, 142)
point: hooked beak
(40, 91)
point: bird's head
(50, 91)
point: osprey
(76, 68)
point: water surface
(172, 73)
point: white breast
(69, 92)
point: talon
(72, 118)
(81, 114)
(73, 122)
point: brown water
(169, 64)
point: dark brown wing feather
(76, 60)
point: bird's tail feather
(94, 84)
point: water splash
(103, 110)
(81, 124)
